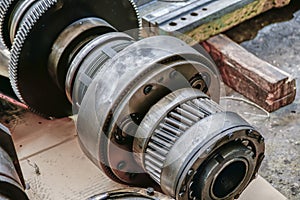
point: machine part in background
(41, 58)
(172, 16)
(131, 193)
(147, 111)
(11, 179)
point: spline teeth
(171, 128)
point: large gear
(6, 7)
(30, 51)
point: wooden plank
(259, 81)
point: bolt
(261, 139)
(135, 117)
(207, 150)
(181, 195)
(190, 172)
(249, 132)
(237, 196)
(150, 191)
(160, 80)
(148, 89)
(121, 165)
(173, 74)
(120, 138)
(206, 78)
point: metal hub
(191, 147)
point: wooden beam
(259, 81)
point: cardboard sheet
(55, 168)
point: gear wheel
(30, 51)
(6, 7)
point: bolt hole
(183, 18)
(204, 9)
(148, 89)
(173, 24)
(194, 14)
(160, 80)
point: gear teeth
(37, 11)
(4, 7)
(137, 12)
(171, 128)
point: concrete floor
(279, 44)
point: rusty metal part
(31, 52)
(131, 193)
(11, 179)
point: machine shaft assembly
(147, 111)
(11, 179)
